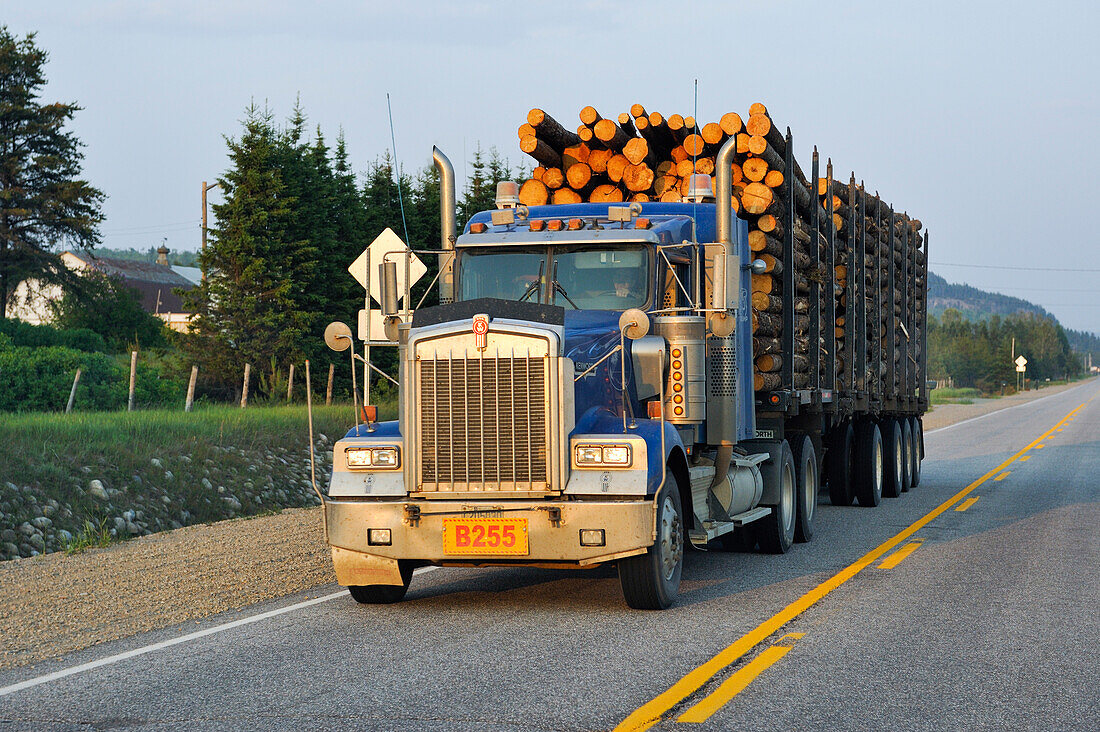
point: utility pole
(205, 188)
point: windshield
(576, 277)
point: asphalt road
(992, 621)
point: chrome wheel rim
(671, 540)
(786, 501)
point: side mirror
(338, 336)
(634, 323)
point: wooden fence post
(244, 389)
(290, 383)
(72, 394)
(328, 392)
(133, 380)
(191, 388)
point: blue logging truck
(609, 382)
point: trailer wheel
(805, 460)
(894, 458)
(838, 461)
(651, 581)
(918, 450)
(384, 594)
(867, 461)
(776, 530)
(907, 454)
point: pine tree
(43, 202)
(249, 309)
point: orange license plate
(485, 537)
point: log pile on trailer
(852, 269)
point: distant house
(155, 283)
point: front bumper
(416, 530)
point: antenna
(397, 173)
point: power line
(152, 227)
(1022, 269)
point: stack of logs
(872, 220)
(644, 156)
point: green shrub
(26, 334)
(40, 379)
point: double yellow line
(650, 713)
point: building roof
(154, 282)
(191, 274)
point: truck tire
(918, 450)
(867, 461)
(893, 452)
(805, 462)
(651, 581)
(776, 530)
(384, 594)
(906, 454)
(838, 461)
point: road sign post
(1021, 367)
(386, 247)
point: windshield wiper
(556, 286)
(533, 286)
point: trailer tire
(906, 454)
(776, 530)
(805, 461)
(893, 452)
(838, 461)
(917, 431)
(868, 464)
(384, 594)
(651, 581)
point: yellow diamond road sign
(388, 247)
(1021, 361)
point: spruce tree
(43, 201)
(249, 309)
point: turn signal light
(653, 409)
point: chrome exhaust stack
(448, 226)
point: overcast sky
(980, 118)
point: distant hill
(973, 303)
(1083, 342)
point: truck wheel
(651, 581)
(906, 455)
(918, 450)
(384, 594)
(894, 458)
(838, 462)
(776, 530)
(867, 460)
(805, 461)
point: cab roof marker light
(478, 228)
(554, 225)
(536, 224)
(641, 223)
(576, 224)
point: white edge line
(999, 411)
(4, 691)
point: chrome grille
(483, 424)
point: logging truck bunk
(668, 336)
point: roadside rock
(96, 489)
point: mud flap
(356, 569)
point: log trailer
(589, 391)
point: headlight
(379, 458)
(611, 455)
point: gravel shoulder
(54, 604)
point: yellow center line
(651, 712)
(737, 683)
(1024, 458)
(967, 503)
(895, 559)
(1003, 475)
(1039, 447)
